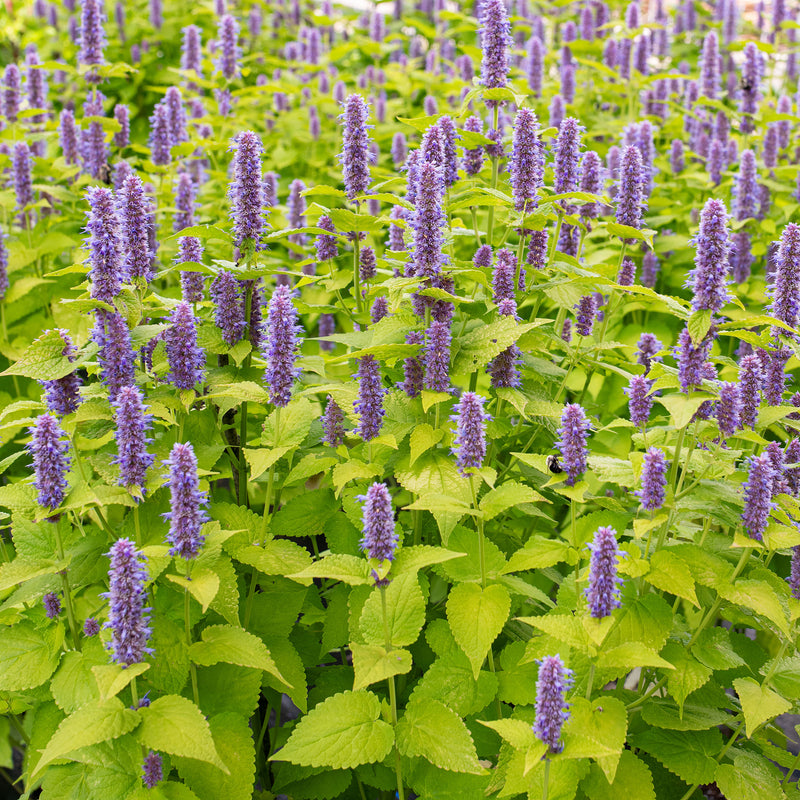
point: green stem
(794, 766)
(134, 692)
(271, 475)
(242, 461)
(73, 627)
(356, 270)
(392, 695)
(590, 683)
(554, 245)
(188, 626)
(546, 779)
(137, 526)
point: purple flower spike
(758, 496)
(574, 432)
(504, 275)
(746, 188)
(586, 313)
(369, 404)
(282, 344)
(495, 43)
(729, 409)
(709, 277)
(526, 166)
(68, 136)
(327, 327)
(710, 67)
(412, 367)
(428, 221)
(774, 452)
(791, 455)
(11, 92)
(23, 182)
(602, 594)
(629, 192)
(52, 605)
(785, 288)
(473, 157)
(447, 129)
(92, 35)
(229, 51)
(103, 241)
(627, 272)
(229, 309)
(750, 86)
(115, 356)
(551, 707)
(537, 250)
(49, 449)
(355, 156)
(127, 616)
(591, 182)
(160, 139)
(191, 51)
(91, 627)
(133, 422)
(482, 257)
(152, 770)
(654, 480)
(437, 357)
(246, 191)
(379, 538)
(135, 210)
(368, 264)
(399, 149)
(184, 202)
(640, 403)
(190, 249)
(794, 572)
(750, 380)
(535, 65)
(567, 156)
(469, 444)
(186, 360)
(333, 424)
(326, 245)
(186, 515)
(690, 360)
(122, 137)
(61, 394)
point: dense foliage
(399, 401)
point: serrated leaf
(113, 678)
(539, 553)
(670, 574)
(597, 730)
(343, 731)
(516, 732)
(698, 324)
(414, 558)
(505, 496)
(633, 781)
(688, 674)
(759, 703)
(224, 643)
(44, 359)
(750, 777)
(28, 657)
(631, 654)
(478, 347)
(405, 612)
(430, 730)
(476, 617)
(691, 755)
(174, 725)
(203, 585)
(87, 726)
(340, 567)
(371, 663)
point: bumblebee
(554, 465)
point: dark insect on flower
(554, 465)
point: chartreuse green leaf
(224, 643)
(113, 678)
(539, 553)
(476, 617)
(371, 663)
(340, 567)
(405, 612)
(432, 731)
(670, 574)
(235, 745)
(597, 730)
(688, 673)
(89, 725)
(413, 559)
(343, 731)
(203, 585)
(759, 703)
(633, 781)
(508, 495)
(691, 755)
(174, 725)
(28, 656)
(750, 777)
(45, 360)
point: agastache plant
(51, 459)
(379, 539)
(281, 345)
(186, 513)
(602, 593)
(573, 433)
(469, 442)
(552, 709)
(133, 422)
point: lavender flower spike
(526, 166)
(247, 190)
(496, 43)
(355, 156)
(729, 409)
(61, 394)
(92, 36)
(333, 424)
(602, 593)
(567, 158)
(134, 210)
(709, 277)
(785, 289)
(152, 770)
(190, 249)
(127, 617)
(369, 404)
(428, 221)
(412, 368)
(115, 356)
(379, 538)
(49, 449)
(758, 496)
(52, 605)
(228, 307)
(326, 244)
(750, 379)
(282, 344)
(186, 359)
(551, 707)
(105, 247)
(229, 52)
(640, 404)
(574, 432)
(186, 515)
(469, 444)
(437, 357)
(133, 421)
(654, 480)
(631, 184)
